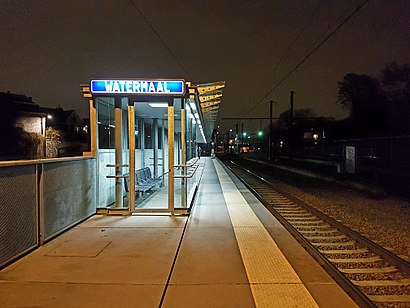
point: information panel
(138, 87)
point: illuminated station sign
(138, 87)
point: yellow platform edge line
(273, 281)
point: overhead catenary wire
(161, 40)
(285, 54)
(310, 54)
(321, 36)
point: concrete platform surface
(230, 252)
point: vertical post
(131, 142)
(171, 156)
(93, 128)
(118, 152)
(163, 150)
(155, 139)
(292, 95)
(227, 142)
(270, 129)
(142, 141)
(40, 202)
(183, 160)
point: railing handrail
(8, 163)
(189, 165)
(188, 176)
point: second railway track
(370, 274)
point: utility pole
(241, 137)
(270, 156)
(236, 138)
(292, 95)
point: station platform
(229, 252)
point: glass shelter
(145, 135)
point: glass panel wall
(106, 150)
(179, 183)
(191, 152)
(106, 125)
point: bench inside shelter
(143, 180)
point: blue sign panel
(138, 87)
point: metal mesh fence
(18, 223)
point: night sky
(48, 48)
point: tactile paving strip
(273, 281)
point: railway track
(371, 275)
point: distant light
(49, 116)
(158, 105)
(230, 129)
(244, 133)
(260, 133)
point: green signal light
(244, 133)
(260, 133)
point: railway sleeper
(294, 215)
(333, 246)
(295, 212)
(319, 232)
(372, 270)
(356, 260)
(310, 223)
(315, 228)
(284, 204)
(345, 251)
(284, 207)
(382, 283)
(396, 299)
(296, 218)
(332, 238)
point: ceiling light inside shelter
(158, 105)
